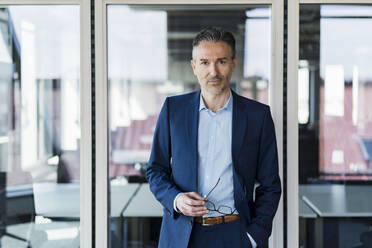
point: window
(40, 125)
(149, 59)
(335, 125)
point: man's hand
(191, 204)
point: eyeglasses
(221, 209)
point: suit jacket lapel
(192, 121)
(239, 123)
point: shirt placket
(211, 149)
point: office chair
(3, 212)
(365, 240)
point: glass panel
(335, 126)
(39, 126)
(149, 52)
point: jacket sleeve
(158, 172)
(268, 192)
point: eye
(222, 62)
(204, 63)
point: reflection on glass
(149, 52)
(339, 85)
(303, 92)
(39, 126)
(335, 139)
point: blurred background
(149, 51)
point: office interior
(148, 50)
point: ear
(234, 63)
(193, 66)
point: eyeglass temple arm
(213, 188)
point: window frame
(101, 89)
(292, 111)
(85, 110)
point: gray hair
(214, 34)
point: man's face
(213, 65)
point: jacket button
(168, 212)
(190, 222)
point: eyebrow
(223, 58)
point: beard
(215, 85)
(216, 89)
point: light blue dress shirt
(215, 159)
(214, 155)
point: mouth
(214, 81)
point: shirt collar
(228, 104)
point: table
(305, 211)
(121, 196)
(57, 200)
(62, 200)
(343, 213)
(338, 200)
(143, 204)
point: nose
(213, 70)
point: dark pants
(227, 235)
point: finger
(195, 213)
(200, 213)
(196, 196)
(192, 202)
(193, 209)
(198, 209)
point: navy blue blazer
(173, 163)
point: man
(209, 148)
